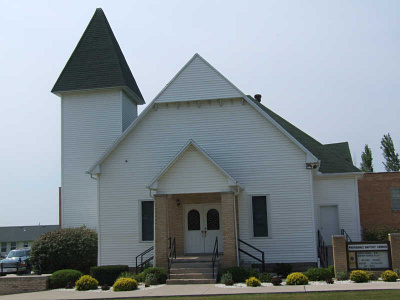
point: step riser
(190, 270)
(191, 281)
(192, 276)
(176, 265)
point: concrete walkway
(200, 290)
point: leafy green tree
(366, 160)
(389, 153)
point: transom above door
(202, 226)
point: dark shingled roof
(24, 233)
(335, 158)
(97, 62)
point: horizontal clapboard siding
(192, 173)
(197, 81)
(340, 191)
(129, 111)
(243, 143)
(91, 121)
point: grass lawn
(362, 295)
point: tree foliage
(366, 160)
(392, 158)
(68, 248)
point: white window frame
(25, 243)
(391, 198)
(140, 221)
(250, 203)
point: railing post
(263, 263)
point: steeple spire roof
(97, 62)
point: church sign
(368, 256)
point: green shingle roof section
(335, 158)
(97, 62)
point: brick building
(379, 198)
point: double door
(202, 226)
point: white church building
(203, 165)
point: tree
(390, 155)
(366, 160)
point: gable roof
(197, 80)
(333, 157)
(315, 151)
(97, 62)
(24, 233)
(231, 180)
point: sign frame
(375, 250)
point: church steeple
(97, 62)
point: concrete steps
(192, 270)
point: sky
(332, 68)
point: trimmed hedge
(378, 233)
(296, 278)
(68, 248)
(389, 276)
(318, 274)
(125, 284)
(151, 279)
(160, 273)
(61, 278)
(226, 277)
(239, 274)
(108, 274)
(282, 269)
(266, 277)
(86, 283)
(253, 282)
(359, 276)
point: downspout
(235, 223)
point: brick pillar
(161, 231)
(228, 230)
(339, 253)
(394, 239)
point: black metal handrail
(143, 263)
(215, 255)
(346, 236)
(322, 251)
(171, 254)
(262, 260)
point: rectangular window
(260, 216)
(26, 244)
(3, 247)
(147, 221)
(395, 196)
(13, 245)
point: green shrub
(359, 276)
(265, 277)
(371, 275)
(318, 274)
(126, 274)
(68, 248)
(125, 284)
(85, 283)
(70, 285)
(378, 233)
(296, 278)
(397, 271)
(282, 269)
(108, 274)
(253, 273)
(61, 278)
(151, 279)
(226, 277)
(160, 273)
(253, 282)
(389, 276)
(239, 274)
(140, 277)
(332, 270)
(342, 276)
(276, 280)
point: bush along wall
(68, 248)
(108, 274)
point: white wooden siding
(192, 173)
(243, 143)
(129, 111)
(91, 121)
(340, 191)
(198, 81)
